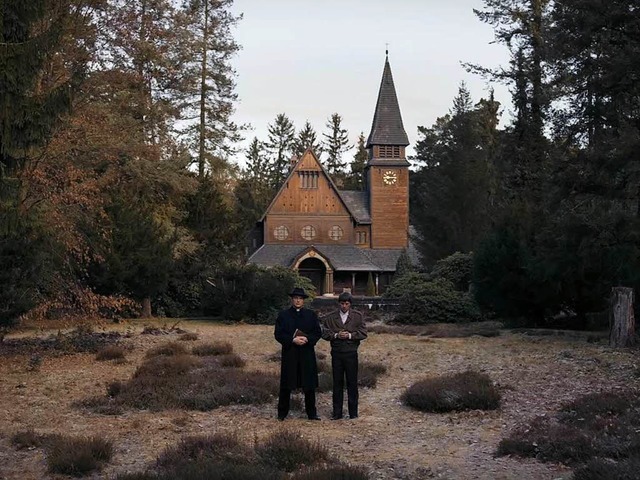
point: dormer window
(308, 178)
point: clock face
(389, 177)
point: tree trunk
(146, 307)
(621, 318)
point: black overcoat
(298, 368)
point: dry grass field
(535, 375)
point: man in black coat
(298, 330)
(344, 328)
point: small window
(308, 232)
(308, 179)
(389, 151)
(361, 238)
(281, 232)
(335, 233)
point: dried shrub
(602, 469)
(274, 357)
(462, 391)
(603, 425)
(548, 441)
(137, 476)
(26, 439)
(219, 447)
(212, 349)
(78, 456)
(336, 472)
(287, 450)
(232, 360)
(80, 340)
(168, 349)
(368, 373)
(441, 330)
(110, 352)
(189, 382)
(188, 337)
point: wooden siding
(294, 199)
(389, 208)
(321, 223)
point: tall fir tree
(305, 139)
(280, 146)
(335, 143)
(354, 180)
(208, 83)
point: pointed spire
(387, 127)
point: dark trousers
(345, 364)
(284, 401)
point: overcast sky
(311, 58)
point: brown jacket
(332, 325)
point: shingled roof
(358, 204)
(387, 127)
(342, 257)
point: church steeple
(387, 127)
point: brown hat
(298, 292)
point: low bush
(456, 268)
(462, 391)
(602, 469)
(168, 349)
(603, 425)
(337, 472)
(287, 450)
(548, 441)
(368, 373)
(78, 456)
(185, 381)
(211, 349)
(220, 447)
(26, 439)
(424, 301)
(188, 337)
(110, 352)
(232, 360)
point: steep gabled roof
(387, 127)
(357, 203)
(355, 215)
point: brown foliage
(288, 450)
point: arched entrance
(315, 270)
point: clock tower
(387, 170)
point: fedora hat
(298, 292)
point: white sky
(311, 58)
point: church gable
(308, 190)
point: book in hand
(299, 333)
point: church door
(314, 270)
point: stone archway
(315, 267)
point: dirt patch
(535, 374)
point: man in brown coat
(344, 328)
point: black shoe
(336, 417)
(352, 417)
(314, 417)
(281, 418)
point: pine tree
(280, 145)
(335, 143)
(208, 84)
(305, 139)
(355, 178)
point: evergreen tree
(449, 194)
(307, 138)
(355, 178)
(335, 143)
(207, 85)
(280, 145)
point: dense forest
(118, 196)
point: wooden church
(337, 238)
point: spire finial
(386, 51)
